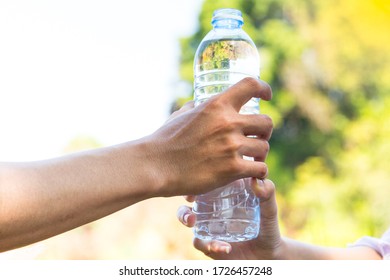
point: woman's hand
(268, 244)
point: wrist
(291, 249)
(282, 250)
(295, 250)
(151, 172)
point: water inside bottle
(220, 64)
(228, 54)
(230, 213)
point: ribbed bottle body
(224, 57)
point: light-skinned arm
(270, 245)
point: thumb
(265, 190)
(243, 91)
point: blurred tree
(328, 64)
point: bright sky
(105, 69)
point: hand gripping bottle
(224, 57)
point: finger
(186, 216)
(190, 198)
(256, 169)
(265, 190)
(259, 125)
(243, 91)
(255, 148)
(211, 248)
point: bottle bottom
(230, 230)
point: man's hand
(202, 148)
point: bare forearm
(296, 250)
(184, 156)
(42, 199)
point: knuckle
(215, 103)
(268, 125)
(266, 146)
(208, 107)
(268, 121)
(251, 82)
(263, 172)
(232, 146)
(232, 124)
(227, 124)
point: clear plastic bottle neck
(227, 18)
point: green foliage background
(328, 64)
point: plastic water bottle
(224, 57)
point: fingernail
(185, 218)
(255, 183)
(227, 249)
